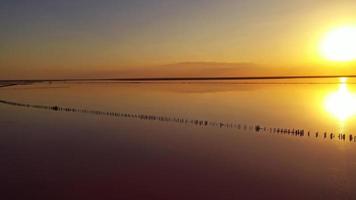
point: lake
(285, 139)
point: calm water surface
(261, 140)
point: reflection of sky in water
(74, 154)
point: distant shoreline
(5, 82)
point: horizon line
(186, 78)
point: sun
(340, 44)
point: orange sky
(132, 38)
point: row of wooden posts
(196, 122)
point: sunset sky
(105, 38)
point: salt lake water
(290, 139)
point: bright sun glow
(340, 44)
(341, 104)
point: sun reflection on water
(342, 103)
